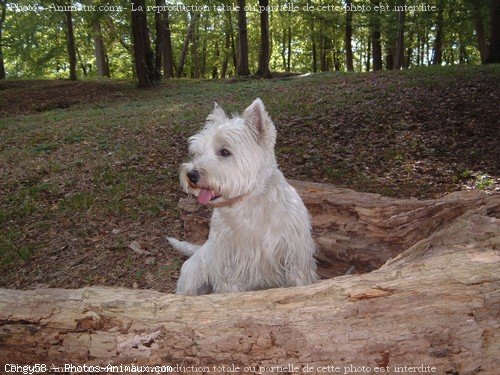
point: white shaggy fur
(260, 231)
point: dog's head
(232, 157)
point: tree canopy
(206, 38)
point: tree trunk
(425, 48)
(185, 45)
(462, 53)
(215, 71)
(159, 37)
(389, 57)
(264, 52)
(368, 54)
(418, 47)
(195, 61)
(2, 20)
(400, 47)
(234, 52)
(348, 38)
(433, 307)
(168, 54)
(227, 46)
(203, 69)
(437, 55)
(70, 42)
(479, 28)
(494, 50)
(289, 49)
(313, 41)
(164, 58)
(375, 36)
(82, 64)
(101, 57)
(147, 76)
(283, 49)
(243, 69)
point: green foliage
(34, 42)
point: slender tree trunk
(70, 40)
(425, 48)
(389, 57)
(2, 20)
(289, 49)
(263, 69)
(243, 69)
(215, 71)
(494, 50)
(227, 47)
(185, 45)
(314, 54)
(203, 68)
(336, 60)
(462, 54)
(368, 53)
(409, 51)
(158, 38)
(143, 55)
(234, 53)
(479, 28)
(323, 52)
(348, 39)
(195, 61)
(168, 54)
(418, 48)
(321, 44)
(283, 49)
(375, 36)
(437, 56)
(400, 48)
(82, 64)
(313, 41)
(101, 57)
(204, 49)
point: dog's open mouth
(206, 196)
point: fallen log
(432, 308)
(355, 229)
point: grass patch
(10, 249)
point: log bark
(355, 229)
(434, 305)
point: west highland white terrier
(260, 230)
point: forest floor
(88, 170)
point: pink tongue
(205, 196)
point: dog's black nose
(194, 176)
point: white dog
(260, 230)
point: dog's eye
(224, 153)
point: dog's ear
(256, 117)
(217, 116)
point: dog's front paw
(191, 281)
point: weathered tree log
(433, 308)
(356, 229)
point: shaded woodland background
(107, 39)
